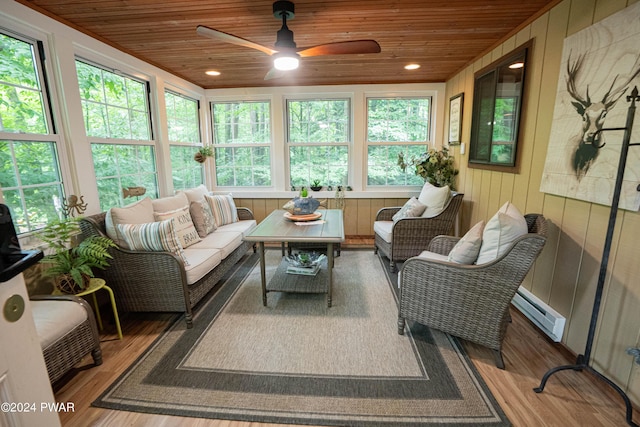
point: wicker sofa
(67, 332)
(160, 281)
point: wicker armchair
(63, 353)
(468, 301)
(411, 236)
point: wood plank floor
(569, 399)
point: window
(242, 143)
(396, 125)
(183, 122)
(319, 134)
(497, 102)
(117, 120)
(30, 178)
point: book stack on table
(306, 270)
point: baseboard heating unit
(546, 318)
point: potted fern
(72, 266)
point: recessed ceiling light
(412, 66)
(212, 73)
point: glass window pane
(119, 166)
(186, 172)
(318, 120)
(398, 119)
(183, 121)
(114, 106)
(241, 122)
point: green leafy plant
(72, 267)
(435, 167)
(316, 183)
(203, 153)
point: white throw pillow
(223, 208)
(140, 212)
(202, 217)
(412, 208)
(153, 236)
(467, 249)
(435, 198)
(187, 233)
(171, 203)
(196, 194)
(500, 232)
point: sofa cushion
(140, 212)
(223, 208)
(195, 194)
(202, 217)
(153, 236)
(171, 203)
(435, 198)
(54, 319)
(185, 229)
(244, 226)
(467, 249)
(384, 229)
(201, 262)
(225, 241)
(500, 232)
(412, 208)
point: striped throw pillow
(153, 236)
(223, 208)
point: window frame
(349, 134)
(48, 94)
(429, 143)
(493, 71)
(185, 144)
(270, 144)
(151, 142)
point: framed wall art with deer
(600, 65)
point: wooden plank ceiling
(442, 36)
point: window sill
(369, 194)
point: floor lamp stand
(582, 362)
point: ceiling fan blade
(230, 38)
(341, 48)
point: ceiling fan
(285, 52)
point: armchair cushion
(410, 209)
(54, 319)
(500, 232)
(467, 249)
(384, 229)
(435, 198)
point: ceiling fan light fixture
(286, 61)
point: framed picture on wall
(455, 118)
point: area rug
(298, 361)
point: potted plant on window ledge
(316, 185)
(72, 266)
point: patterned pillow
(153, 236)
(187, 233)
(410, 209)
(223, 208)
(202, 217)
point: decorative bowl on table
(305, 259)
(301, 205)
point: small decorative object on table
(301, 205)
(305, 263)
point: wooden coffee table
(276, 228)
